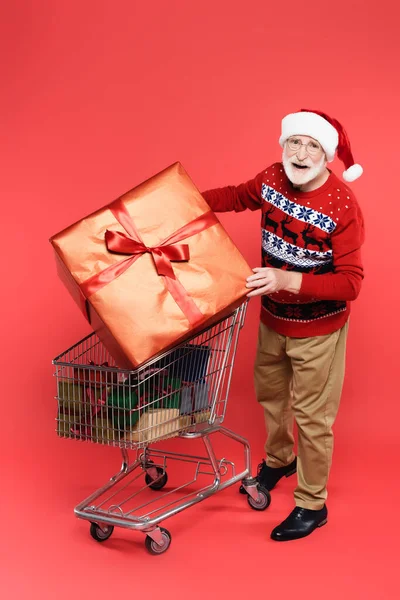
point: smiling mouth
(300, 167)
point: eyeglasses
(312, 147)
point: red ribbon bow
(121, 243)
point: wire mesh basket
(181, 391)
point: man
(312, 230)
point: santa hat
(328, 132)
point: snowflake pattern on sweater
(302, 213)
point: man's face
(303, 159)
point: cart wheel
(263, 500)
(157, 484)
(153, 547)
(99, 534)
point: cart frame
(111, 505)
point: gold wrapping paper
(71, 397)
(78, 425)
(202, 417)
(103, 430)
(68, 420)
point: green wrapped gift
(123, 403)
(126, 402)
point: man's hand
(268, 281)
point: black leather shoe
(300, 523)
(269, 477)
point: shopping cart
(182, 393)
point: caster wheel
(263, 500)
(157, 484)
(99, 534)
(154, 548)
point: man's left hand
(268, 281)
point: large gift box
(151, 268)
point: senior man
(312, 230)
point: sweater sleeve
(237, 198)
(345, 281)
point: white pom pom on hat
(328, 132)
(353, 173)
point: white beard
(303, 176)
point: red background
(96, 97)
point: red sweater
(317, 233)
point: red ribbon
(131, 243)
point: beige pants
(301, 379)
